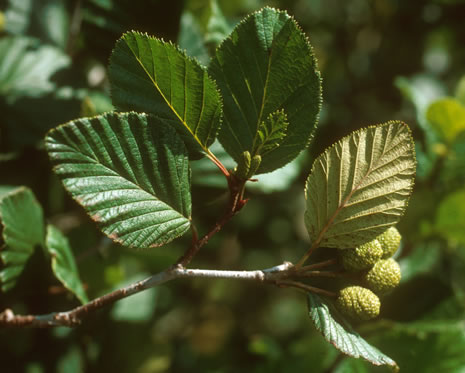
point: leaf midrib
(344, 202)
(164, 97)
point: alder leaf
(360, 186)
(63, 265)
(270, 133)
(265, 65)
(341, 335)
(129, 171)
(23, 229)
(151, 76)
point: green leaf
(26, 67)
(266, 65)
(63, 265)
(342, 336)
(270, 133)
(23, 229)
(447, 116)
(149, 75)
(130, 173)
(360, 186)
(137, 308)
(450, 217)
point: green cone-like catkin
(362, 257)
(358, 303)
(384, 276)
(390, 241)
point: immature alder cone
(362, 257)
(384, 276)
(358, 303)
(390, 241)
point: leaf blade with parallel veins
(23, 229)
(266, 65)
(151, 76)
(343, 337)
(130, 172)
(350, 200)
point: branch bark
(75, 316)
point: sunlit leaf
(23, 229)
(149, 75)
(447, 116)
(63, 265)
(266, 65)
(360, 186)
(130, 173)
(341, 335)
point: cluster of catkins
(378, 271)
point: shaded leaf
(447, 116)
(23, 229)
(26, 67)
(360, 186)
(130, 173)
(149, 75)
(266, 65)
(63, 265)
(342, 336)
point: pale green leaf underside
(151, 76)
(344, 338)
(265, 65)
(360, 186)
(130, 173)
(63, 264)
(23, 229)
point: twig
(319, 265)
(321, 274)
(235, 205)
(306, 287)
(75, 316)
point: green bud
(390, 241)
(362, 257)
(243, 166)
(384, 276)
(358, 303)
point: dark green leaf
(63, 265)
(23, 229)
(344, 338)
(130, 172)
(266, 65)
(360, 186)
(149, 75)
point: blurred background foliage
(380, 60)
